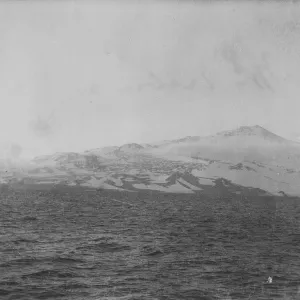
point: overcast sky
(84, 74)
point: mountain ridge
(255, 130)
(249, 157)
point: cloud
(94, 89)
(15, 151)
(157, 83)
(42, 127)
(260, 80)
(191, 85)
(248, 68)
(206, 81)
(230, 52)
(154, 83)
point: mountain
(246, 158)
(69, 160)
(115, 151)
(253, 131)
(102, 151)
(130, 148)
(249, 143)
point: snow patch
(175, 188)
(192, 187)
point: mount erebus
(247, 157)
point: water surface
(82, 245)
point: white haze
(86, 74)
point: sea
(86, 245)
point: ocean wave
(172, 249)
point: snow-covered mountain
(242, 144)
(130, 148)
(102, 151)
(247, 157)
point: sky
(76, 75)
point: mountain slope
(248, 157)
(244, 143)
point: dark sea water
(114, 246)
